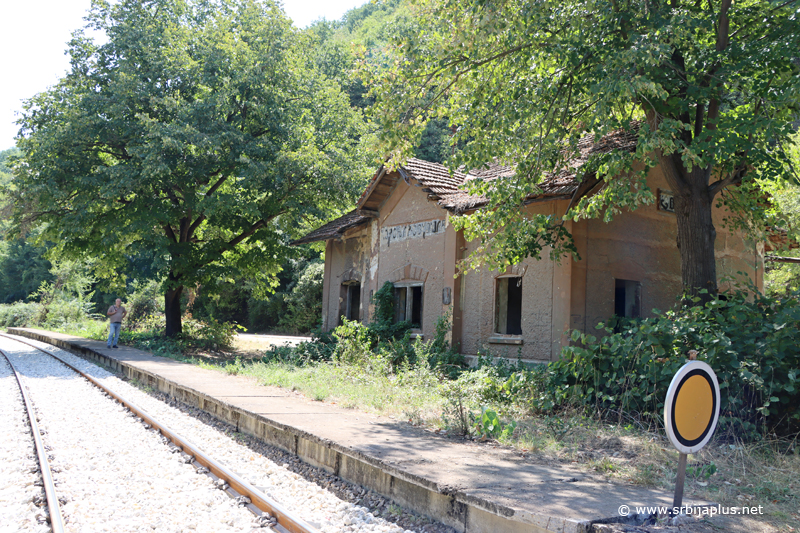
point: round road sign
(691, 409)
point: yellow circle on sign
(693, 407)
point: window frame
(497, 305)
(346, 303)
(633, 298)
(409, 303)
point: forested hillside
(284, 297)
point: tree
(708, 88)
(190, 146)
(782, 278)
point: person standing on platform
(115, 314)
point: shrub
(146, 300)
(321, 348)
(751, 342)
(304, 302)
(355, 342)
(19, 314)
(209, 333)
(383, 325)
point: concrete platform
(475, 488)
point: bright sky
(34, 35)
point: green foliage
(707, 89)
(145, 301)
(701, 471)
(20, 314)
(197, 336)
(783, 279)
(750, 341)
(488, 425)
(63, 303)
(390, 343)
(6, 162)
(321, 348)
(355, 342)
(294, 307)
(434, 142)
(383, 324)
(304, 302)
(381, 347)
(461, 396)
(210, 334)
(23, 269)
(189, 147)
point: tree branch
(170, 233)
(216, 185)
(195, 225)
(255, 227)
(745, 26)
(723, 25)
(734, 178)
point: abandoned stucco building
(400, 231)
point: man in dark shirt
(115, 314)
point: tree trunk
(696, 236)
(172, 310)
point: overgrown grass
(732, 474)
(411, 395)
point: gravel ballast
(21, 496)
(112, 474)
(281, 481)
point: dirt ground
(254, 345)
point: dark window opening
(416, 306)
(408, 305)
(354, 302)
(508, 306)
(350, 301)
(627, 298)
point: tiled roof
(333, 229)
(446, 187)
(564, 182)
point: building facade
(401, 232)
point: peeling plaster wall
(414, 259)
(345, 260)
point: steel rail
(285, 518)
(56, 520)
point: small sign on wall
(666, 201)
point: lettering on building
(418, 230)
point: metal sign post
(691, 411)
(677, 501)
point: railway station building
(400, 231)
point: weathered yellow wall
(379, 261)
(426, 256)
(641, 246)
(556, 297)
(538, 290)
(344, 259)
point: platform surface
(495, 476)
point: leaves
(523, 81)
(750, 342)
(191, 146)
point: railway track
(269, 512)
